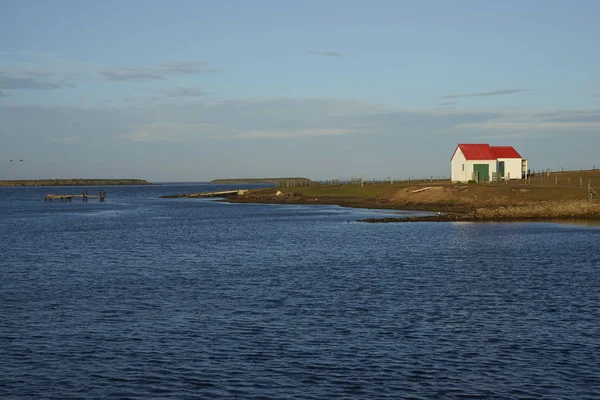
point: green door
(501, 169)
(482, 171)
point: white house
(484, 163)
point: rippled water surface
(147, 298)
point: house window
(463, 167)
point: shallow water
(141, 298)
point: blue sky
(196, 90)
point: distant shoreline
(294, 180)
(73, 182)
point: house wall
(512, 168)
(493, 164)
(460, 174)
(456, 167)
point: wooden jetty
(224, 193)
(69, 197)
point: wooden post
(362, 182)
(556, 181)
(569, 180)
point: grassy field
(558, 195)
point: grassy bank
(74, 182)
(515, 200)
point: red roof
(486, 152)
(505, 152)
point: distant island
(74, 182)
(295, 180)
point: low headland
(74, 182)
(560, 195)
(277, 181)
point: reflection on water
(579, 222)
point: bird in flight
(21, 160)
(11, 160)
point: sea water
(147, 298)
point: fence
(570, 178)
(362, 181)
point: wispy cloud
(565, 116)
(12, 82)
(327, 53)
(183, 92)
(531, 125)
(67, 139)
(24, 71)
(167, 131)
(286, 134)
(160, 71)
(185, 68)
(559, 123)
(448, 103)
(483, 94)
(130, 74)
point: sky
(198, 90)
